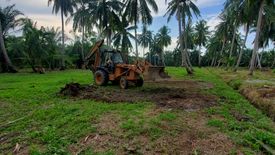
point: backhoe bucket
(155, 73)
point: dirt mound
(71, 89)
(168, 95)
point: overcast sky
(39, 11)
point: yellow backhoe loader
(108, 65)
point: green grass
(51, 123)
(232, 101)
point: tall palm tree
(201, 36)
(223, 33)
(182, 9)
(262, 5)
(234, 9)
(246, 21)
(8, 20)
(122, 38)
(65, 7)
(164, 40)
(107, 13)
(140, 10)
(145, 38)
(80, 21)
(213, 48)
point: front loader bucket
(154, 73)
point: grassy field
(39, 121)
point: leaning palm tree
(8, 20)
(140, 9)
(164, 40)
(145, 38)
(201, 36)
(246, 20)
(262, 5)
(182, 9)
(65, 7)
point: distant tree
(65, 7)
(137, 10)
(106, 13)
(182, 9)
(122, 38)
(39, 45)
(223, 33)
(164, 40)
(8, 21)
(81, 21)
(145, 38)
(201, 37)
(155, 50)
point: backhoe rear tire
(101, 78)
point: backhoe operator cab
(108, 65)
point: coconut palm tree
(80, 21)
(262, 5)
(122, 38)
(145, 38)
(182, 9)
(106, 13)
(164, 40)
(201, 36)
(137, 10)
(65, 7)
(8, 20)
(223, 33)
(246, 21)
(234, 9)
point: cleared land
(199, 116)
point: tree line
(115, 20)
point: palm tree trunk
(259, 61)
(143, 54)
(256, 43)
(162, 58)
(8, 67)
(221, 53)
(83, 38)
(183, 56)
(199, 58)
(63, 41)
(136, 39)
(185, 43)
(232, 44)
(241, 52)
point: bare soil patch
(194, 136)
(185, 95)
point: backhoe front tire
(123, 83)
(139, 82)
(101, 78)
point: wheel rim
(123, 83)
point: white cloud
(162, 5)
(212, 21)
